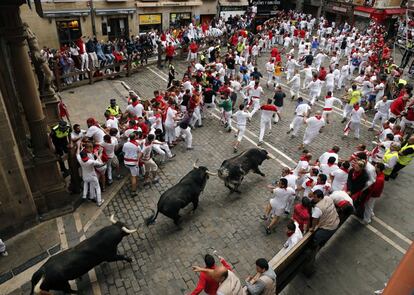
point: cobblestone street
(358, 260)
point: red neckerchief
(356, 107)
(133, 141)
(330, 164)
(304, 158)
(290, 233)
(134, 103)
(345, 170)
(332, 151)
(111, 117)
(309, 182)
(326, 97)
(318, 117)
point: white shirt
(270, 66)
(110, 147)
(88, 168)
(339, 196)
(330, 79)
(315, 86)
(96, 133)
(383, 107)
(291, 179)
(255, 91)
(340, 178)
(112, 123)
(301, 166)
(169, 119)
(75, 136)
(295, 81)
(135, 110)
(323, 159)
(281, 197)
(328, 170)
(241, 117)
(329, 102)
(131, 153)
(314, 125)
(356, 115)
(293, 239)
(302, 109)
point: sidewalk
(31, 248)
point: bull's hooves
(263, 174)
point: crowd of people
(318, 192)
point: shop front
(148, 22)
(228, 9)
(180, 19)
(115, 22)
(69, 30)
(339, 12)
(206, 18)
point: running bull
(186, 191)
(75, 262)
(233, 170)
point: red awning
(391, 11)
(365, 9)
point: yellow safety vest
(405, 160)
(113, 111)
(387, 157)
(355, 97)
(59, 133)
(402, 81)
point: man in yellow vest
(114, 109)
(405, 156)
(390, 159)
(59, 143)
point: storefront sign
(359, 2)
(361, 13)
(340, 9)
(233, 8)
(149, 19)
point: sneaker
(290, 130)
(4, 254)
(156, 180)
(268, 231)
(119, 177)
(343, 120)
(110, 181)
(370, 129)
(133, 194)
(259, 143)
(99, 204)
(190, 148)
(263, 217)
(234, 150)
(172, 156)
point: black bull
(75, 262)
(186, 191)
(233, 170)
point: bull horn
(112, 219)
(128, 231)
(195, 164)
(211, 173)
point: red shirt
(169, 50)
(206, 283)
(302, 33)
(144, 128)
(322, 75)
(193, 47)
(301, 215)
(377, 187)
(397, 106)
(274, 52)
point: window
(68, 30)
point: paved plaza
(358, 260)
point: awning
(392, 11)
(63, 13)
(169, 4)
(115, 11)
(365, 9)
(234, 3)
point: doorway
(117, 28)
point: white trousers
(227, 118)
(256, 106)
(330, 87)
(85, 62)
(196, 117)
(382, 117)
(169, 133)
(306, 81)
(297, 122)
(313, 94)
(369, 209)
(294, 91)
(94, 189)
(188, 137)
(263, 125)
(341, 81)
(354, 126)
(94, 59)
(269, 78)
(240, 134)
(163, 150)
(308, 137)
(347, 110)
(405, 122)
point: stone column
(47, 185)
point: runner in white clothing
(241, 118)
(267, 110)
(302, 111)
(314, 87)
(328, 107)
(270, 68)
(382, 107)
(354, 123)
(255, 91)
(295, 81)
(314, 127)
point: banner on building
(149, 19)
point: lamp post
(90, 4)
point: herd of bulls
(102, 246)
